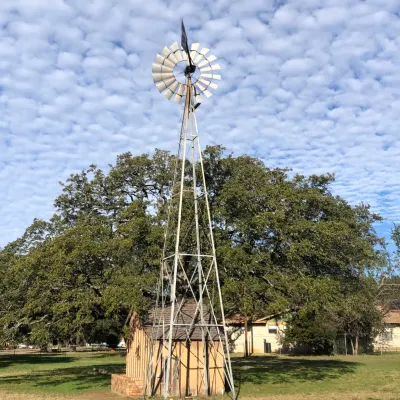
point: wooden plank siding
(187, 367)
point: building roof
(392, 317)
(189, 327)
(239, 319)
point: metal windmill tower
(189, 301)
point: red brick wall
(125, 386)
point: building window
(272, 329)
(387, 335)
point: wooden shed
(187, 365)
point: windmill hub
(189, 70)
(182, 72)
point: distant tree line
(283, 239)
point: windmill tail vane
(189, 349)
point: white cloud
(310, 84)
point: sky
(313, 85)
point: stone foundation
(125, 386)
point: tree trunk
(356, 345)
(345, 344)
(246, 341)
(352, 346)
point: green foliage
(284, 244)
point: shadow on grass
(65, 379)
(7, 360)
(33, 359)
(275, 370)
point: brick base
(125, 386)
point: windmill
(189, 311)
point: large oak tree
(283, 239)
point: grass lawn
(72, 376)
(366, 377)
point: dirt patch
(102, 395)
(24, 396)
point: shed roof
(184, 316)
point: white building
(265, 335)
(389, 340)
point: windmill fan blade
(179, 55)
(172, 58)
(163, 61)
(201, 54)
(164, 69)
(208, 60)
(156, 67)
(180, 89)
(212, 68)
(176, 50)
(169, 63)
(174, 86)
(177, 98)
(162, 85)
(171, 90)
(211, 76)
(157, 78)
(162, 77)
(198, 98)
(174, 47)
(159, 59)
(167, 75)
(208, 83)
(201, 87)
(197, 58)
(169, 81)
(193, 50)
(203, 90)
(168, 94)
(179, 93)
(166, 52)
(160, 68)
